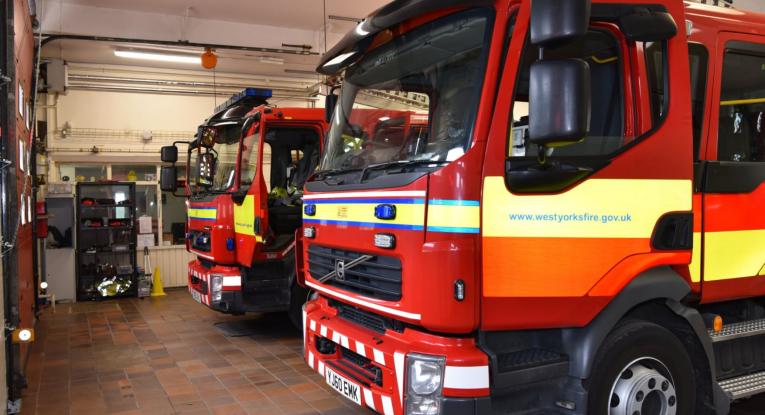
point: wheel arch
(655, 295)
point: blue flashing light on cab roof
(244, 94)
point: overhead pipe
(174, 83)
(101, 150)
(50, 37)
(115, 88)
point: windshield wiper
(325, 174)
(399, 163)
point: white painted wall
(103, 118)
(133, 111)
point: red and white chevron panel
(463, 381)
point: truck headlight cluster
(424, 384)
(216, 288)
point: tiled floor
(164, 356)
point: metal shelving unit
(106, 240)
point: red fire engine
(577, 229)
(244, 174)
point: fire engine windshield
(224, 145)
(411, 103)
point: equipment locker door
(734, 175)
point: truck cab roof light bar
(244, 94)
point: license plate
(345, 387)
(196, 296)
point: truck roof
(726, 19)
(293, 114)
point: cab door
(733, 184)
(581, 242)
(251, 198)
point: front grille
(366, 319)
(361, 365)
(378, 277)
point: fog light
(423, 406)
(309, 232)
(309, 210)
(424, 384)
(216, 288)
(385, 240)
(385, 212)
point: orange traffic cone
(157, 289)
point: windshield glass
(224, 144)
(250, 149)
(413, 99)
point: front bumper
(381, 378)
(200, 287)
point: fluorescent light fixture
(271, 60)
(161, 57)
(343, 18)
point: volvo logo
(340, 270)
(341, 266)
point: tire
(298, 296)
(629, 374)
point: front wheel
(642, 369)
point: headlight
(216, 288)
(424, 387)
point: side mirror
(555, 21)
(559, 101)
(169, 154)
(330, 102)
(643, 25)
(168, 179)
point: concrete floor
(164, 356)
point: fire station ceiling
(286, 25)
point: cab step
(744, 386)
(528, 366)
(739, 330)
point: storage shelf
(103, 239)
(132, 274)
(86, 228)
(130, 251)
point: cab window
(599, 48)
(741, 133)
(698, 60)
